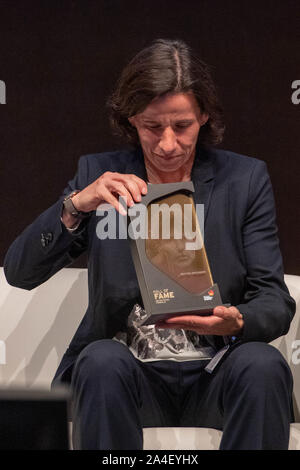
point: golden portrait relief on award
(176, 251)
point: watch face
(69, 206)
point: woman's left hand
(223, 321)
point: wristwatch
(71, 209)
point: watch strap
(71, 209)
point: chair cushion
(197, 438)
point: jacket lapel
(136, 165)
(203, 174)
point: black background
(61, 58)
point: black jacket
(240, 239)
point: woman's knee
(258, 360)
(102, 357)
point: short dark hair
(166, 66)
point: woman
(165, 104)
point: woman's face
(168, 131)
(176, 252)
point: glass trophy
(169, 255)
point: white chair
(37, 326)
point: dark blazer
(240, 239)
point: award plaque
(170, 259)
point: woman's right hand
(108, 188)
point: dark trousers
(248, 396)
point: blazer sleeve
(267, 306)
(30, 260)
